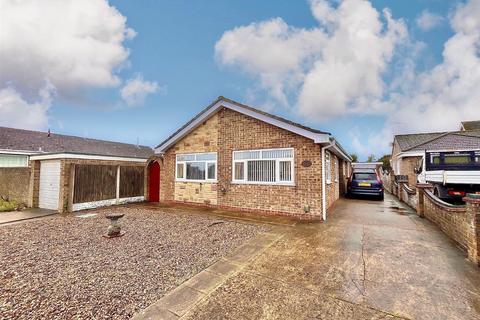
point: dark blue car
(365, 183)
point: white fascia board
(316, 137)
(410, 154)
(84, 157)
(19, 152)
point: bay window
(197, 167)
(270, 166)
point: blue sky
(174, 52)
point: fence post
(421, 198)
(118, 185)
(473, 215)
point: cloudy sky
(128, 70)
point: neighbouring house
(408, 149)
(233, 156)
(470, 125)
(68, 173)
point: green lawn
(8, 205)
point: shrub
(9, 205)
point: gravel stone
(64, 268)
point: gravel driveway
(63, 268)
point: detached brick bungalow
(234, 156)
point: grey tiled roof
(408, 141)
(221, 98)
(471, 125)
(35, 141)
(455, 140)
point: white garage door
(49, 184)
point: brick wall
(228, 131)
(14, 184)
(205, 193)
(239, 132)
(34, 187)
(407, 166)
(409, 195)
(452, 220)
(202, 139)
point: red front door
(154, 187)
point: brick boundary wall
(409, 196)
(14, 183)
(459, 223)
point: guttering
(21, 152)
(341, 151)
(324, 183)
(66, 155)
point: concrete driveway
(371, 260)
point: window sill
(197, 181)
(286, 184)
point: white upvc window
(328, 167)
(196, 167)
(267, 166)
(13, 160)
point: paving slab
(205, 281)
(370, 260)
(223, 267)
(27, 214)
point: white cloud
(71, 45)
(438, 99)
(336, 68)
(18, 113)
(136, 90)
(427, 20)
(450, 92)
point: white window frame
(184, 163)
(335, 168)
(277, 181)
(328, 167)
(15, 164)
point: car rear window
(364, 176)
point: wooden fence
(131, 181)
(99, 182)
(94, 183)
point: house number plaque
(306, 163)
